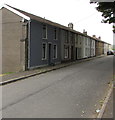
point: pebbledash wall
(13, 50)
(29, 42)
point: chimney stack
(70, 25)
(84, 32)
(94, 36)
(99, 38)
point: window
(55, 51)
(44, 32)
(85, 51)
(66, 37)
(66, 51)
(55, 34)
(76, 39)
(71, 37)
(92, 44)
(79, 53)
(80, 37)
(44, 50)
(88, 42)
(85, 41)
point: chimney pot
(70, 25)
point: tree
(108, 12)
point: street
(70, 92)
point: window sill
(44, 38)
(54, 58)
(44, 59)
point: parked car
(111, 52)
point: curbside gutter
(100, 115)
(47, 70)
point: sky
(81, 13)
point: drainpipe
(28, 46)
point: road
(71, 92)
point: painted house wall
(86, 46)
(67, 45)
(99, 48)
(36, 41)
(13, 50)
(105, 48)
(92, 49)
(78, 46)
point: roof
(29, 16)
(15, 11)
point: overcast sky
(80, 12)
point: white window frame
(45, 51)
(55, 38)
(80, 40)
(66, 48)
(85, 41)
(43, 32)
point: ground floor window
(44, 51)
(54, 51)
(66, 51)
(79, 53)
(86, 50)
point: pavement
(13, 77)
(108, 112)
(61, 93)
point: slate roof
(43, 20)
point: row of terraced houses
(29, 42)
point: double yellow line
(2, 75)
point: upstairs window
(76, 39)
(85, 41)
(72, 38)
(55, 34)
(44, 35)
(88, 42)
(66, 37)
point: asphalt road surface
(71, 92)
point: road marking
(2, 75)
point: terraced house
(29, 41)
